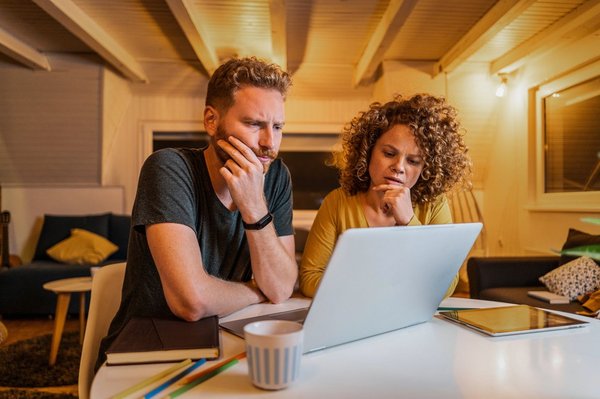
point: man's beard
(224, 156)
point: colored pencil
(201, 377)
(200, 374)
(173, 379)
(151, 379)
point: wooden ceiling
(333, 47)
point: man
(212, 229)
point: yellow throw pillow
(83, 247)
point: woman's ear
(211, 120)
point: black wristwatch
(261, 224)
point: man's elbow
(190, 311)
(280, 295)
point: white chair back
(104, 303)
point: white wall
(116, 104)
(516, 226)
(501, 181)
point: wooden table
(63, 289)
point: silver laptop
(378, 280)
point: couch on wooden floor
(21, 291)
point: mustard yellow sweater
(340, 212)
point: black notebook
(152, 340)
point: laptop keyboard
(237, 326)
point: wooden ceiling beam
(497, 18)
(580, 22)
(390, 24)
(87, 30)
(191, 24)
(22, 52)
(279, 32)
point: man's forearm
(189, 290)
(273, 263)
(218, 297)
(225, 297)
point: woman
(397, 162)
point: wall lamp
(501, 89)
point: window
(568, 141)
(312, 178)
(572, 138)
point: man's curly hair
(239, 72)
(438, 135)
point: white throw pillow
(578, 277)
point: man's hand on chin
(243, 174)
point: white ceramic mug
(274, 350)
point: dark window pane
(572, 139)
(312, 178)
(179, 140)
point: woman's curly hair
(438, 135)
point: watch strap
(262, 222)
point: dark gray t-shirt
(175, 187)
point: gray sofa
(21, 291)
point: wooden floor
(19, 329)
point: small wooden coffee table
(63, 289)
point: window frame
(569, 201)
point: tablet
(507, 320)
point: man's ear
(211, 120)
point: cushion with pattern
(578, 277)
